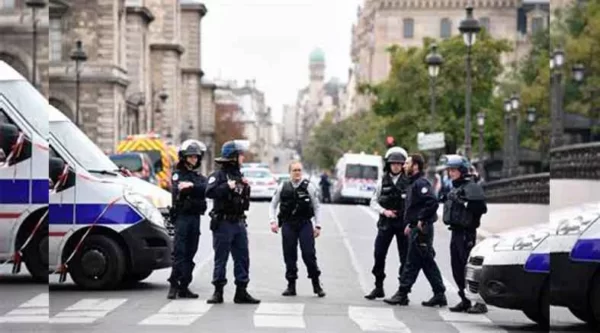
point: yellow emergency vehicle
(159, 152)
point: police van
(58, 217)
(356, 177)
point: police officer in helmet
(463, 208)
(189, 204)
(298, 206)
(231, 198)
(419, 215)
(389, 200)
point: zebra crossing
(276, 315)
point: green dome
(317, 55)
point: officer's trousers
(421, 255)
(291, 235)
(231, 237)
(382, 244)
(187, 236)
(461, 243)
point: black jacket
(421, 203)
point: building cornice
(142, 11)
(58, 8)
(445, 4)
(194, 7)
(91, 73)
(177, 47)
(210, 86)
(193, 70)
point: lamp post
(515, 104)
(556, 63)
(507, 139)
(434, 61)
(79, 56)
(469, 27)
(481, 123)
(35, 5)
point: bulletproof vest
(238, 199)
(193, 203)
(455, 206)
(392, 197)
(295, 203)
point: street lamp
(35, 5)
(515, 103)
(578, 72)
(507, 138)
(531, 115)
(481, 123)
(79, 56)
(556, 63)
(434, 61)
(469, 27)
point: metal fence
(580, 161)
(531, 189)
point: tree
(227, 125)
(405, 98)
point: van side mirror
(9, 135)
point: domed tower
(317, 65)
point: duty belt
(233, 218)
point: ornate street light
(434, 61)
(35, 5)
(469, 27)
(557, 61)
(531, 114)
(578, 72)
(79, 56)
(481, 123)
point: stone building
(382, 23)
(17, 25)
(143, 69)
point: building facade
(382, 23)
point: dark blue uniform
(229, 224)
(189, 204)
(421, 205)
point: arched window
(15, 63)
(62, 107)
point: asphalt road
(345, 256)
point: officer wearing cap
(463, 208)
(189, 203)
(298, 207)
(389, 200)
(231, 198)
(419, 216)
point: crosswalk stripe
(35, 310)
(376, 319)
(280, 315)
(469, 323)
(178, 313)
(87, 310)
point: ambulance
(356, 177)
(100, 232)
(161, 155)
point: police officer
(231, 198)
(389, 200)
(463, 208)
(420, 214)
(189, 204)
(298, 206)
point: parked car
(139, 164)
(263, 183)
(281, 177)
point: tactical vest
(455, 208)
(295, 203)
(392, 197)
(238, 200)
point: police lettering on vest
(456, 213)
(392, 197)
(295, 204)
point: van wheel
(541, 314)
(99, 264)
(595, 300)
(35, 255)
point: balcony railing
(530, 189)
(580, 161)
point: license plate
(367, 188)
(470, 275)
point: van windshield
(28, 102)
(83, 150)
(361, 171)
(155, 157)
(129, 161)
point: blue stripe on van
(17, 191)
(586, 250)
(538, 263)
(88, 213)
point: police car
(59, 218)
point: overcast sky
(270, 41)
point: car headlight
(576, 225)
(526, 243)
(145, 208)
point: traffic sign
(431, 141)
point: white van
(356, 177)
(98, 231)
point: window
(485, 23)
(9, 136)
(537, 24)
(361, 171)
(55, 39)
(409, 28)
(7, 4)
(445, 28)
(131, 162)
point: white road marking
(87, 310)
(280, 315)
(469, 323)
(35, 310)
(178, 313)
(353, 259)
(376, 319)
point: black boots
(291, 289)
(217, 297)
(399, 298)
(180, 292)
(478, 308)
(242, 296)
(317, 289)
(172, 292)
(377, 292)
(464, 304)
(437, 300)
